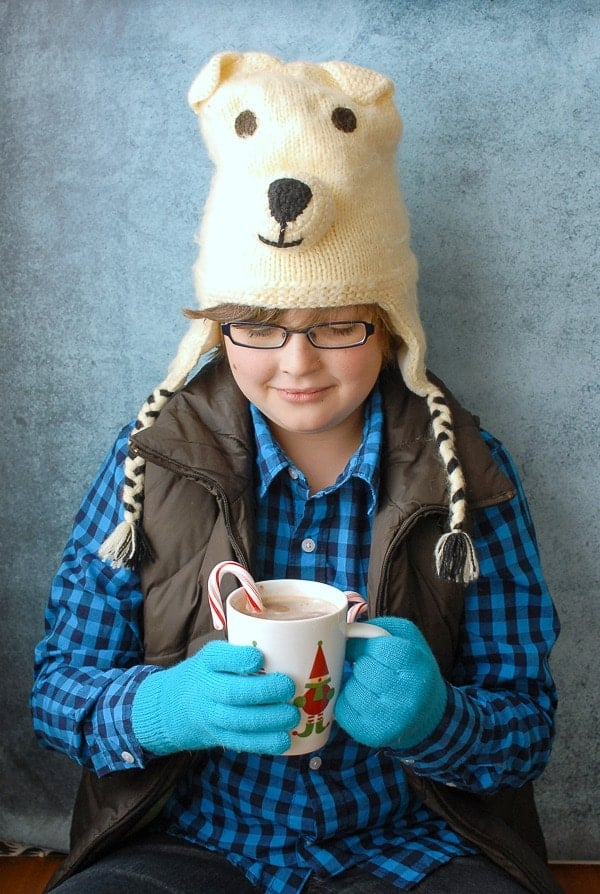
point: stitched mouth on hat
(281, 243)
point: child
(312, 444)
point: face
(306, 390)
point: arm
(498, 725)
(90, 661)
(493, 720)
(95, 699)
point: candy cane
(359, 605)
(214, 591)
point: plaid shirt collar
(364, 463)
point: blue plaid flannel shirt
(280, 819)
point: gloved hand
(216, 697)
(396, 695)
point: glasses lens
(323, 335)
(257, 335)
(338, 335)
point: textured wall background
(103, 178)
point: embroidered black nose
(287, 199)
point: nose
(299, 355)
(287, 199)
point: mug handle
(365, 631)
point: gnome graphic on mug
(317, 696)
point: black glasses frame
(306, 330)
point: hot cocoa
(292, 607)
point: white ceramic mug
(310, 650)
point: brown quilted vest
(198, 511)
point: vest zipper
(398, 537)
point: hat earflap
(127, 546)
(455, 556)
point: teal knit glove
(215, 698)
(396, 695)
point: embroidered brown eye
(344, 119)
(245, 124)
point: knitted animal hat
(304, 211)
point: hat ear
(360, 84)
(208, 78)
(221, 67)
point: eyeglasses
(343, 334)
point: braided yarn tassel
(455, 556)
(127, 546)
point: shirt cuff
(115, 746)
(455, 738)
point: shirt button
(127, 757)
(292, 473)
(315, 763)
(309, 545)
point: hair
(234, 313)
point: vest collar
(205, 433)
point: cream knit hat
(304, 211)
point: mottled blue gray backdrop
(103, 177)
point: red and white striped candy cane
(215, 600)
(358, 607)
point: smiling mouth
(281, 243)
(299, 396)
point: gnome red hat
(319, 668)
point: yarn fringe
(455, 558)
(127, 546)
